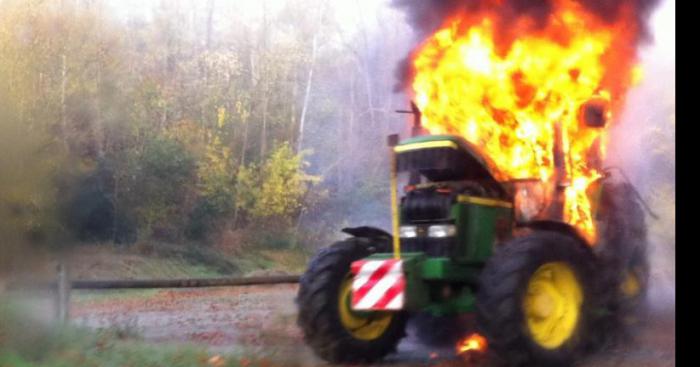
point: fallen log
(164, 283)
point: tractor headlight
(442, 230)
(408, 232)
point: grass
(179, 261)
(288, 261)
(25, 342)
(171, 263)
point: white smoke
(643, 144)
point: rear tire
(624, 270)
(323, 318)
(526, 323)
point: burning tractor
(507, 210)
(467, 239)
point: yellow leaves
(277, 187)
(215, 174)
(242, 112)
(247, 189)
(221, 117)
(192, 135)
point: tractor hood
(446, 158)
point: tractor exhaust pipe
(417, 128)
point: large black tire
(319, 313)
(623, 252)
(501, 311)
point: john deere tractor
(468, 240)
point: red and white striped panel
(378, 285)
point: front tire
(535, 299)
(335, 332)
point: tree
(276, 189)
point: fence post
(63, 294)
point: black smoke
(425, 16)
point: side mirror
(392, 140)
(594, 113)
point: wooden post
(63, 288)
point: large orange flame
(504, 86)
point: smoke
(427, 15)
(642, 143)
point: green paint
(422, 273)
(463, 303)
(444, 269)
(477, 230)
(427, 138)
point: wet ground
(259, 321)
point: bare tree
(307, 93)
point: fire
(472, 343)
(503, 84)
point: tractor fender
(378, 239)
(367, 232)
(557, 226)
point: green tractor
(466, 240)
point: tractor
(466, 239)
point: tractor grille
(420, 205)
(433, 247)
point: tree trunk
(115, 204)
(263, 134)
(265, 84)
(293, 107)
(253, 78)
(245, 142)
(99, 126)
(305, 106)
(210, 16)
(64, 119)
(314, 45)
(350, 151)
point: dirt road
(259, 321)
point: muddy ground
(259, 321)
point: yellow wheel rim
(552, 304)
(363, 326)
(630, 286)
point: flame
(503, 84)
(216, 361)
(472, 343)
